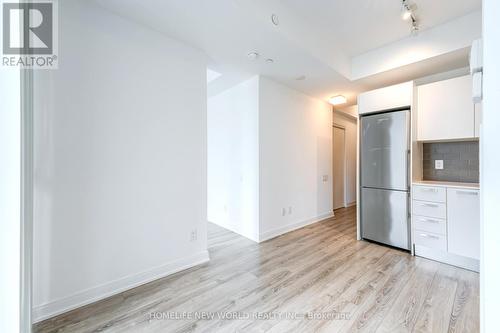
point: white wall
(120, 160)
(10, 199)
(295, 134)
(351, 140)
(233, 159)
(490, 160)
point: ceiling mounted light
(408, 13)
(269, 61)
(338, 100)
(253, 55)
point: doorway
(339, 162)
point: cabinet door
(397, 96)
(463, 222)
(445, 110)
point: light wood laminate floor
(315, 279)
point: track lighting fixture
(408, 14)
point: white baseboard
(56, 307)
(350, 204)
(293, 226)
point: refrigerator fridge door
(384, 150)
(384, 217)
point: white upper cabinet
(463, 222)
(397, 96)
(446, 110)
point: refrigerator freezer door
(385, 217)
(384, 150)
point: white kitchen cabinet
(445, 224)
(392, 97)
(445, 110)
(478, 113)
(429, 209)
(430, 240)
(430, 224)
(463, 222)
(429, 193)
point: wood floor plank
(436, 311)
(465, 312)
(405, 309)
(320, 269)
(366, 298)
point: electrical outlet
(289, 210)
(194, 235)
(325, 178)
(438, 164)
(283, 212)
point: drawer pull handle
(429, 236)
(430, 205)
(467, 192)
(430, 221)
(429, 190)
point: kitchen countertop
(446, 184)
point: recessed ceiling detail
(344, 46)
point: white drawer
(430, 224)
(429, 193)
(429, 209)
(430, 240)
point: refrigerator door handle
(408, 172)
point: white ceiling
(315, 38)
(367, 24)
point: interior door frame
(27, 190)
(341, 127)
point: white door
(338, 167)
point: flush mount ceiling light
(253, 55)
(275, 19)
(408, 14)
(338, 100)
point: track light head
(408, 14)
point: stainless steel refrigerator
(385, 173)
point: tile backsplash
(460, 159)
